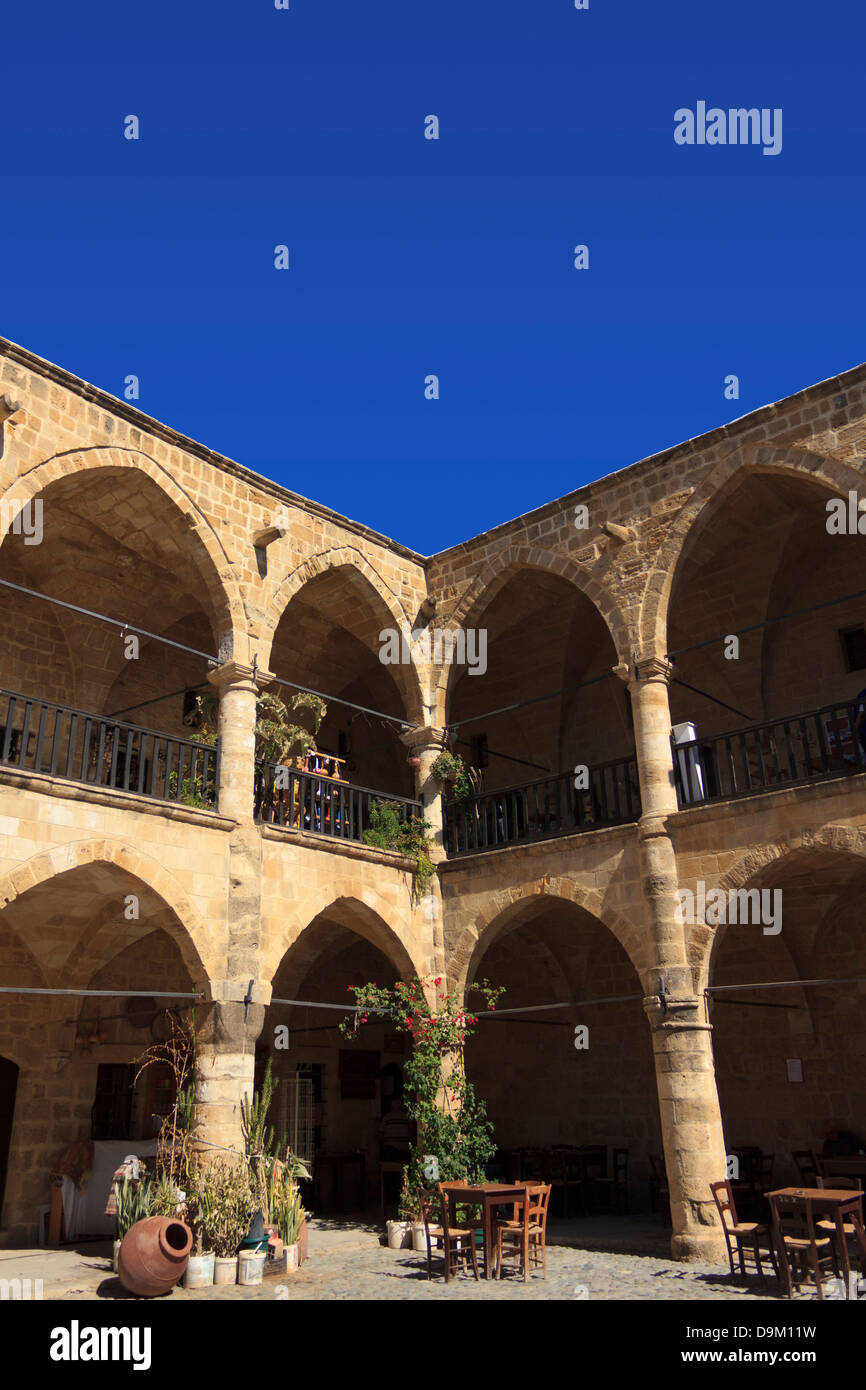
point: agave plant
(133, 1204)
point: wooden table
(488, 1195)
(838, 1202)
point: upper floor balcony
(98, 753)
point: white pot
(114, 1254)
(225, 1269)
(251, 1267)
(399, 1235)
(419, 1237)
(199, 1272)
(293, 1256)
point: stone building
(562, 885)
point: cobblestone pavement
(371, 1271)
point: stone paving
(348, 1262)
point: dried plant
(176, 1051)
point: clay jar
(154, 1255)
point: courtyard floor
(603, 1258)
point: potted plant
(200, 1218)
(234, 1203)
(447, 768)
(287, 1207)
(400, 1231)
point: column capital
(425, 739)
(677, 1013)
(652, 668)
(236, 673)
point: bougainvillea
(452, 1123)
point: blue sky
(409, 257)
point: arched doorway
(333, 1092)
(92, 928)
(789, 1061)
(542, 1092)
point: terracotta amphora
(154, 1255)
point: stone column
(224, 1069)
(685, 1074)
(426, 744)
(238, 688)
(225, 1042)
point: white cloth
(84, 1213)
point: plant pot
(419, 1237)
(293, 1257)
(251, 1267)
(399, 1235)
(199, 1271)
(115, 1251)
(302, 1240)
(225, 1269)
(153, 1256)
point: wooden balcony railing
(38, 736)
(800, 748)
(323, 805)
(543, 809)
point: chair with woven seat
(826, 1224)
(526, 1233)
(799, 1248)
(456, 1243)
(747, 1237)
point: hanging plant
(451, 771)
(388, 831)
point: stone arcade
(560, 893)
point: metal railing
(540, 810)
(763, 757)
(323, 805)
(39, 736)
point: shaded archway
(96, 926)
(541, 1091)
(332, 1091)
(544, 637)
(763, 1039)
(328, 638)
(119, 539)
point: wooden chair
(457, 1243)
(746, 1236)
(808, 1167)
(526, 1234)
(798, 1248)
(660, 1196)
(615, 1187)
(827, 1225)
